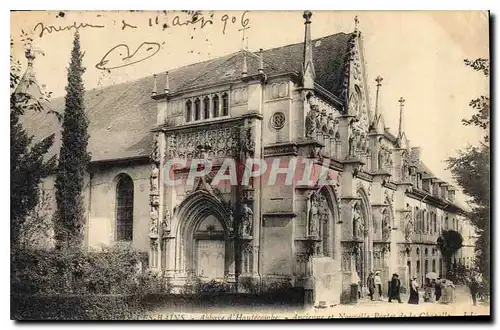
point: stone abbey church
(382, 209)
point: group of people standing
(435, 290)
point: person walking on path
(447, 290)
(378, 285)
(413, 292)
(474, 288)
(370, 283)
(437, 288)
(395, 288)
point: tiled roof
(121, 116)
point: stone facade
(381, 209)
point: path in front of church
(363, 309)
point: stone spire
(308, 73)
(28, 84)
(167, 84)
(154, 91)
(244, 70)
(401, 106)
(379, 80)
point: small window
(206, 108)
(188, 111)
(215, 104)
(225, 104)
(197, 110)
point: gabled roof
(121, 116)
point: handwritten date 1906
(244, 21)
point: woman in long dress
(445, 299)
(450, 291)
(413, 292)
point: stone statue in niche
(311, 121)
(231, 217)
(248, 142)
(313, 215)
(246, 220)
(353, 104)
(351, 146)
(153, 230)
(155, 152)
(386, 230)
(357, 222)
(404, 169)
(154, 180)
(167, 217)
(408, 227)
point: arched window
(206, 108)
(338, 146)
(124, 208)
(197, 110)
(225, 104)
(215, 106)
(188, 111)
(426, 267)
(434, 265)
(416, 217)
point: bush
(114, 270)
(107, 284)
(75, 307)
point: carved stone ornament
(224, 141)
(357, 221)
(167, 220)
(311, 121)
(155, 150)
(153, 228)
(154, 180)
(248, 144)
(408, 227)
(313, 214)
(405, 169)
(154, 244)
(246, 220)
(386, 229)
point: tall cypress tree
(73, 156)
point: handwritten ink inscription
(51, 28)
(119, 56)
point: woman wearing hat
(395, 288)
(413, 292)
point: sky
(419, 55)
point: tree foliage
(471, 170)
(73, 156)
(449, 242)
(27, 157)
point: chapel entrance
(210, 257)
(210, 249)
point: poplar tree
(73, 157)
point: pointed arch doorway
(209, 249)
(203, 239)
